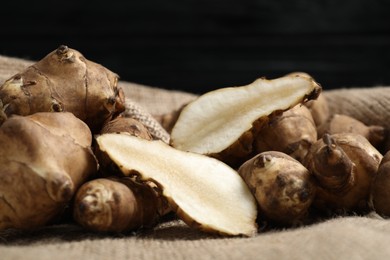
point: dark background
(201, 45)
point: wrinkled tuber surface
(204, 192)
(344, 166)
(44, 158)
(219, 119)
(115, 205)
(64, 81)
(283, 187)
(337, 123)
(292, 133)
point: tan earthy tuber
(283, 187)
(44, 158)
(64, 81)
(223, 123)
(206, 193)
(381, 188)
(319, 109)
(337, 123)
(344, 166)
(116, 205)
(292, 133)
(126, 125)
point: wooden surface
(201, 45)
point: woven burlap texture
(352, 237)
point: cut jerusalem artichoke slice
(206, 193)
(223, 122)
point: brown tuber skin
(337, 123)
(381, 188)
(344, 166)
(42, 163)
(116, 205)
(119, 125)
(283, 187)
(126, 125)
(319, 109)
(292, 133)
(64, 81)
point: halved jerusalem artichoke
(204, 192)
(227, 117)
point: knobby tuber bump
(44, 158)
(292, 133)
(344, 166)
(283, 187)
(206, 193)
(228, 117)
(116, 205)
(337, 123)
(64, 81)
(381, 188)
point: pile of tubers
(268, 152)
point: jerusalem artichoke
(44, 158)
(381, 188)
(126, 125)
(64, 81)
(116, 205)
(292, 133)
(344, 166)
(283, 187)
(337, 123)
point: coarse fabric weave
(353, 237)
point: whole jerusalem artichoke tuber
(292, 133)
(64, 81)
(116, 205)
(344, 166)
(283, 187)
(44, 158)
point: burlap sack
(355, 237)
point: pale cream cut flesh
(208, 194)
(215, 120)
